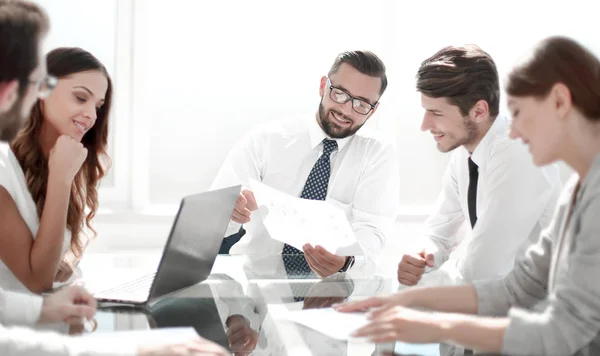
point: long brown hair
(63, 62)
(559, 60)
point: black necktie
(315, 188)
(472, 193)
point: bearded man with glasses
(323, 157)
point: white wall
(193, 76)
(243, 63)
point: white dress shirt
(363, 180)
(13, 180)
(515, 202)
(22, 309)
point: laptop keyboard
(130, 289)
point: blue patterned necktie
(315, 188)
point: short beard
(12, 121)
(331, 129)
(470, 137)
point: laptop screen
(195, 239)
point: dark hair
(365, 62)
(559, 60)
(22, 25)
(63, 62)
(462, 74)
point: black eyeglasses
(341, 96)
(44, 86)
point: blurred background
(191, 77)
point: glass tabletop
(245, 305)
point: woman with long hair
(48, 193)
(550, 303)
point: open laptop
(189, 254)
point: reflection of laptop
(193, 307)
(189, 253)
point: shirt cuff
(439, 255)
(490, 298)
(22, 309)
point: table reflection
(242, 306)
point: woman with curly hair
(50, 174)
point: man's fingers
(250, 199)
(242, 200)
(80, 311)
(323, 264)
(317, 268)
(406, 282)
(410, 278)
(416, 261)
(239, 218)
(238, 332)
(74, 320)
(324, 258)
(430, 259)
(84, 298)
(242, 210)
(410, 269)
(323, 252)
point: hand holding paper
(297, 221)
(342, 326)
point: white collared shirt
(515, 202)
(363, 180)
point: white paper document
(341, 325)
(328, 321)
(297, 221)
(161, 336)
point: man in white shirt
(23, 26)
(322, 157)
(491, 184)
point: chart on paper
(297, 221)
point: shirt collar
(500, 125)
(317, 135)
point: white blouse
(12, 179)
